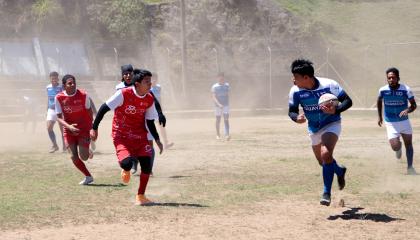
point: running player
(133, 109)
(74, 112)
(53, 89)
(395, 97)
(220, 95)
(324, 125)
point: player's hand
(162, 119)
(380, 121)
(74, 129)
(301, 118)
(93, 134)
(160, 146)
(404, 113)
(328, 109)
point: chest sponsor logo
(67, 109)
(130, 109)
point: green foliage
(44, 9)
(121, 18)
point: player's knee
(127, 163)
(146, 164)
(326, 156)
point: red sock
(144, 179)
(82, 167)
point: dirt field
(263, 184)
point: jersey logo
(130, 109)
(399, 93)
(147, 148)
(67, 109)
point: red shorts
(82, 140)
(132, 148)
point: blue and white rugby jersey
(395, 101)
(222, 93)
(308, 99)
(51, 92)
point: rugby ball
(328, 99)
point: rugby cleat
(398, 154)
(411, 171)
(125, 176)
(325, 199)
(141, 200)
(53, 149)
(87, 180)
(341, 179)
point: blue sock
(328, 175)
(337, 169)
(409, 152)
(152, 158)
(226, 127)
(51, 134)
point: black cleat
(325, 199)
(341, 179)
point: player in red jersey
(133, 109)
(74, 113)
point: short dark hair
(53, 74)
(126, 68)
(66, 77)
(302, 67)
(393, 70)
(139, 75)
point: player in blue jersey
(53, 89)
(395, 96)
(324, 125)
(220, 95)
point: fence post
(270, 77)
(217, 59)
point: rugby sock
(51, 134)
(328, 175)
(409, 153)
(144, 179)
(81, 166)
(226, 127)
(218, 125)
(337, 169)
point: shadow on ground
(353, 214)
(106, 185)
(169, 204)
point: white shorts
(51, 116)
(394, 129)
(219, 110)
(335, 127)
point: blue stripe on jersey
(308, 99)
(395, 101)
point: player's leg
(164, 137)
(62, 136)
(152, 157)
(218, 112)
(226, 121)
(125, 159)
(79, 164)
(146, 169)
(409, 151)
(393, 133)
(51, 134)
(329, 140)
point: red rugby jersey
(130, 117)
(74, 110)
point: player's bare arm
(379, 106)
(216, 101)
(410, 109)
(71, 127)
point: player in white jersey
(220, 96)
(52, 90)
(324, 123)
(396, 97)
